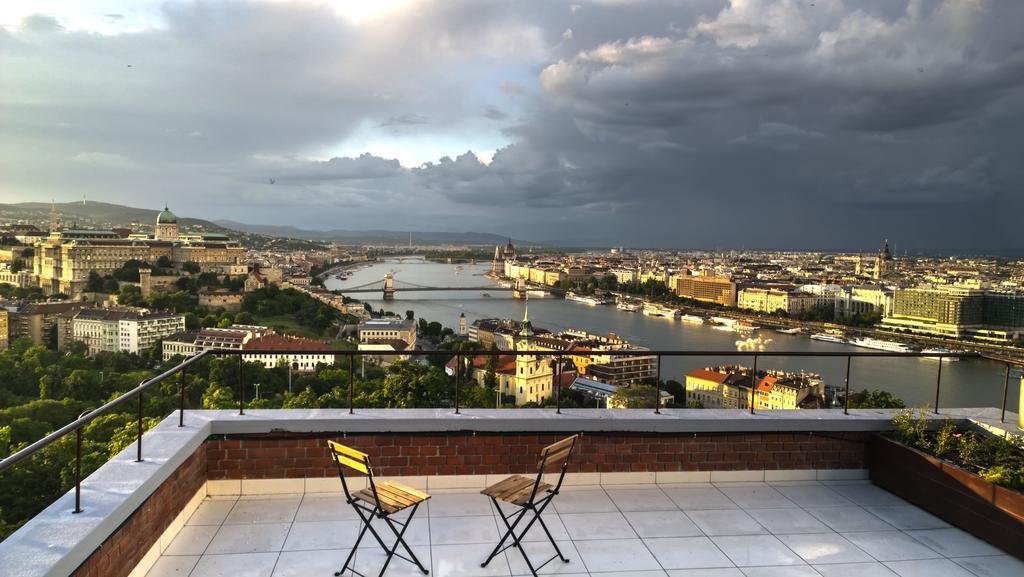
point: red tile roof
(707, 375)
(282, 342)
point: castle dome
(166, 217)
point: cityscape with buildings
(478, 288)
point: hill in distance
(96, 214)
(382, 237)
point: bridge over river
(389, 286)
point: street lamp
(257, 386)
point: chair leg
(400, 540)
(508, 530)
(362, 532)
(552, 539)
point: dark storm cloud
(704, 123)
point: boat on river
(693, 319)
(880, 345)
(828, 338)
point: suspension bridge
(389, 286)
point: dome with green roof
(166, 217)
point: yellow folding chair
(382, 500)
(530, 495)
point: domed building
(166, 226)
(510, 251)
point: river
(968, 383)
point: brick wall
(123, 550)
(291, 456)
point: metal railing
(558, 365)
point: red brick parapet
(125, 548)
(400, 454)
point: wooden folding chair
(530, 495)
(383, 500)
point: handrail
(90, 416)
(78, 424)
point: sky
(774, 124)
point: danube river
(968, 383)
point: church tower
(166, 226)
(883, 262)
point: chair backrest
(359, 461)
(557, 455)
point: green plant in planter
(999, 460)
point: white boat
(722, 328)
(656, 310)
(828, 338)
(692, 319)
(724, 321)
(745, 326)
(629, 307)
(793, 331)
(537, 294)
(937, 351)
(880, 345)
(592, 301)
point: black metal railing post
(657, 389)
(938, 381)
(138, 442)
(241, 387)
(458, 380)
(78, 470)
(753, 387)
(1006, 390)
(846, 387)
(351, 381)
(558, 388)
(181, 398)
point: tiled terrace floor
(785, 529)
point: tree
(130, 296)
(17, 265)
(164, 262)
(875, 399)
(307, 399)
(410, 315)
(190, 267)
(95, 282)
(218, 397)
(633, 397)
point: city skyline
(824, 125)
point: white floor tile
(821, 548)
(953, 542)
(536, 533)
(783, 571)
(459, 505)
(583, 501)
(315, 535)
(417, 534)
(725, 522)
(597, 526)
(179, 566)
(264, 510)
(756, 550)
(755, 496)
(649, 524)
(462, 530)
(255, 538)
(687, 553)
(907, 517)
(465, 560)
(891, 546)
(721, 572)
(191, 540)
(846, 519)
(370, 560)
(616, 555)
(647, 499)
(317, 507)
(928, 568)
(699, 497)
(816, 495)
(868, 495)
(238, 565)
(787, 521)
(995, 566)
(873, 569)
(539, 552)
(310, 563)
(211, 512)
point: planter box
(959, 497)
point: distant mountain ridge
(386, 237)
(95, 214)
